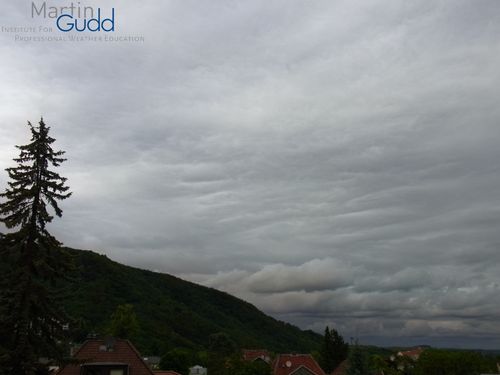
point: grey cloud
(326, 274)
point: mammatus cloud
(333, 163)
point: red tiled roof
(287, 364)
(123, 352)
(414, 353)
(253, 354)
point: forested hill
(172, 312)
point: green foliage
(220, 344)
(223, 354)
(358, 363)
(178, 360)
(447, 362)
(382, 365)
(255, 368)
(333, 351)
(124, 322)
(33, 185)
(33, 262)
(235, 365)
(326, 353)
(435, 362)
(173, 312)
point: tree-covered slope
(172, 312)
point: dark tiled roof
(123, 352)
(253, 354)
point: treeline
(434, 362)
(222, 357)
(446, 362)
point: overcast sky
(332, 162)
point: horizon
(332, 163)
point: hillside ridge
(172, 312)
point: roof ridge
(138, 355)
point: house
(197, 370)
(296, 364)
(413, 353)
(252, 355)
(107, 357)
(153, 362)
(405, 360)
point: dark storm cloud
(331, 162)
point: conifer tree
(333, 350)
(327, 352)
(340, 348)
(32, 260)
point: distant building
(296, 364)
(197, 370)
(107, 357)
(413, 353)
(153, 362)
(252, 355)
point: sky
(332, 162)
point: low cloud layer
(331, 162)
(437, 304)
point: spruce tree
(32, 260)
(327, 360)
(340, 348)
(333, 350)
